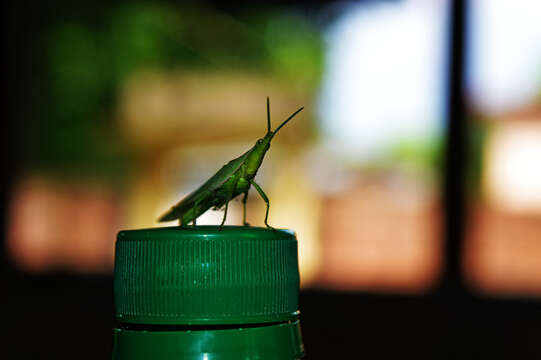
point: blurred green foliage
(477, 133)
(87, 56)
(295, 50)
(426, 153)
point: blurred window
(378, 164)
(503, 245)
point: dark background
(60, 315)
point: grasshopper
(233, 179)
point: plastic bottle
(201, 293)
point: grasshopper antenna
(289, 118)
(268, 116)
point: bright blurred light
(384, 77)
(505, 64)
(513, 170)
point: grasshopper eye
(259, 141)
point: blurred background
(412, 179)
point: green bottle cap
(202, 275)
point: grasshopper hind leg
(195, 210)
(227, 200)
(244, 199)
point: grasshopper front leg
(266, 199)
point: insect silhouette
(233, 179)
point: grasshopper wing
(204, 190)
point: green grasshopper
(233, 179)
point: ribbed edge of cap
(202, 275)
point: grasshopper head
(255, 158)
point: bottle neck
(254, 341)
